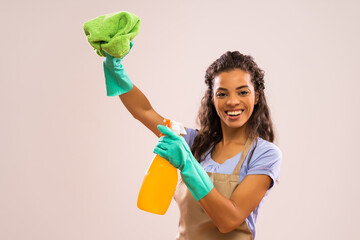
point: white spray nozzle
(178, 127)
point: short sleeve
(190, 136)
(267, 160)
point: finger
(160, 152)
(165, 140)
(161, 146)
(167, 131)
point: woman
(228, 166)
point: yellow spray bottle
(160, 180)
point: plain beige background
(72, 159)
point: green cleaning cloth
(112, 33)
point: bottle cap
(177, 127)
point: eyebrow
(224, 89)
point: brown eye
(243, 93)
(220, 95)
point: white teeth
(234, 113)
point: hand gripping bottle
(160, 180)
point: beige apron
(194, 223)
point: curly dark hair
(259, 123)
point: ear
(256, 97)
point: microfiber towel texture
(112, 33)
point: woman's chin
(234, 124)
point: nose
(233, 100)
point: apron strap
(244, 153)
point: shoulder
(190, 135)
(265, 148)
(266, 159)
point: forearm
(119, 84)
(222, 211)
(228, 214)
(135, 102)
(140, 108)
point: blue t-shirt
(266, 159)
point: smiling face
(234, 97)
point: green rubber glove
(117, 80)
(175, 149)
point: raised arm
(119, 84)
(139, 106)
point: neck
(234, 135)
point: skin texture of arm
(227, 214)
(140, 108)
